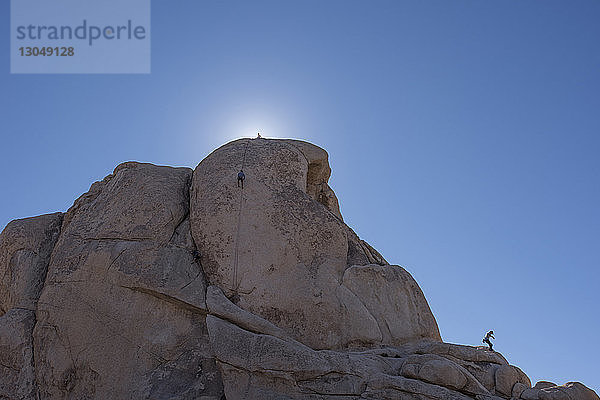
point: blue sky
(463, 136)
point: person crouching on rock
(241, 178)
(487, 337)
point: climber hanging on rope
(487, 337)
(196, 255)
(241, 178)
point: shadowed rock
(25, 248)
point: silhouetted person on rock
(241, 178)
(487, 337)
(258, 137)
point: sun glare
(268, 128)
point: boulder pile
(172, 283)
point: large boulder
(506, 378)
(394, 299)
(122, 311)
(549, 391)
(280, 251)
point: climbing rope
(237, 238)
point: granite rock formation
(168, 283)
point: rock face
(122, 313)
(168, 283)
(283, 256)
(25, 248)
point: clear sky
(464, 138)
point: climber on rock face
(487, 337)
(196, 255)
(241, 178)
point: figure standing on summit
(487, 337)
(241, 178)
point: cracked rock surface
(168, 283)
